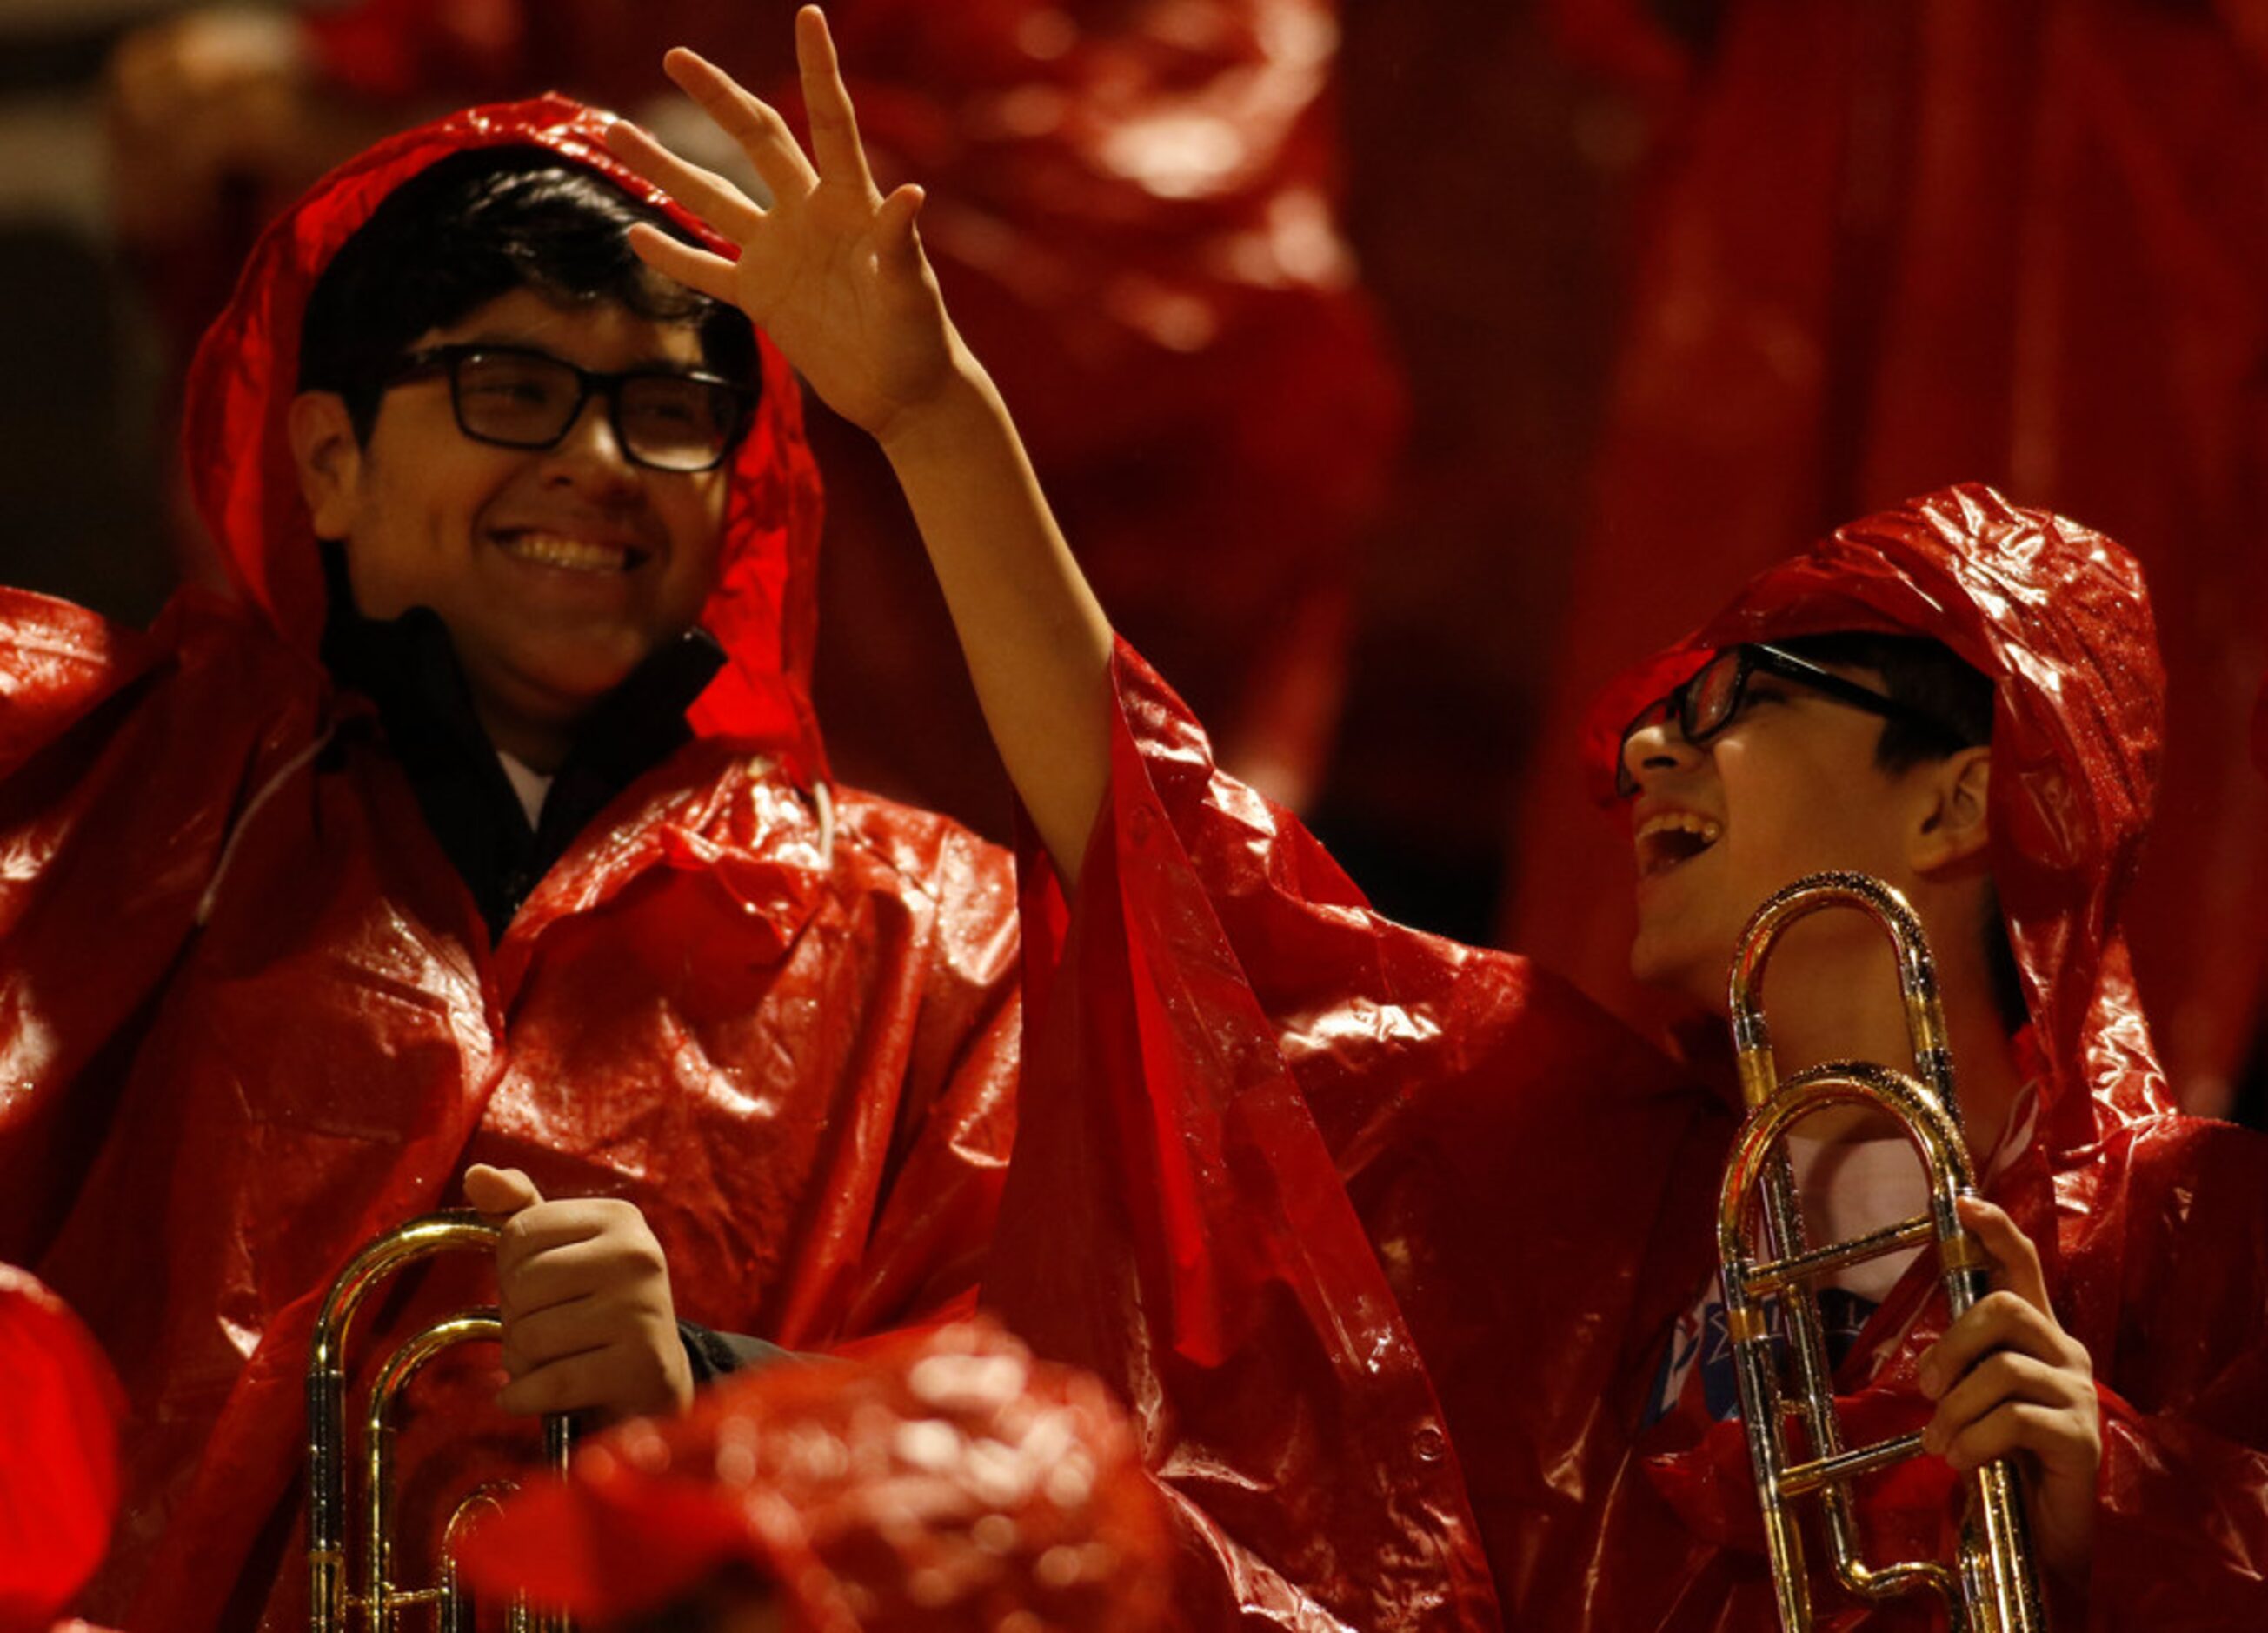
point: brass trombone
(378, 1600)
(1990, 1587)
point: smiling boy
(1395, 1244)
(481, 844)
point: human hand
(831, 270)
(2006, 1378)
(584, 1291)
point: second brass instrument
(362, 1589)
(1990, 1585)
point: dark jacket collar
(407, 668)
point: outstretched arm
(834, 273)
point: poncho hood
(763, 609)
(2057, 616)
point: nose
(590, 454)
(1658, 747)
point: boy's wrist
(939, 426)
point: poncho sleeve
(950, 1147)
(1369, 1227)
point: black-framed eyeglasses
(1712, 700)
(517, 397)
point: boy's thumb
(499, 1192)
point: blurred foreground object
(938, 1480)
(58, 1452)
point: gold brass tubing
(1768, 1280)
(326, 1499)
(380, 1597)
(1848, 1465)
(1991, 1589)
(331, 1602)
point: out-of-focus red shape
(1899, 246)
(58, 1453)
(941, 1480)
(250, 1017)
(1329, 1195)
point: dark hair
(476, 226)
(1927, 677)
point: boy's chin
(1691, 975)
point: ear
(328, 456)
(1954, 825)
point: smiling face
(557, 571)
(1790, 788)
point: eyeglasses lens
(525, 401)
(674, 423)
(1712, 696)
(666, 421)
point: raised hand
(834, 273)
(831, 270)
(2007, 1378)
(584, 1292)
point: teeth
(553, 550)
(1681, 821)
(1665, 840)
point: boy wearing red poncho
(495, 829)
(1400, 1249)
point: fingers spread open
(697, 269)
(895, 236)
(835, 144)
(704, 192)
(758, 126)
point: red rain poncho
(249, 1014)
(941, 1482)
(1325, 1190)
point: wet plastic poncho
(941, 1482)
(1384, 1235)
(249, 1016)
